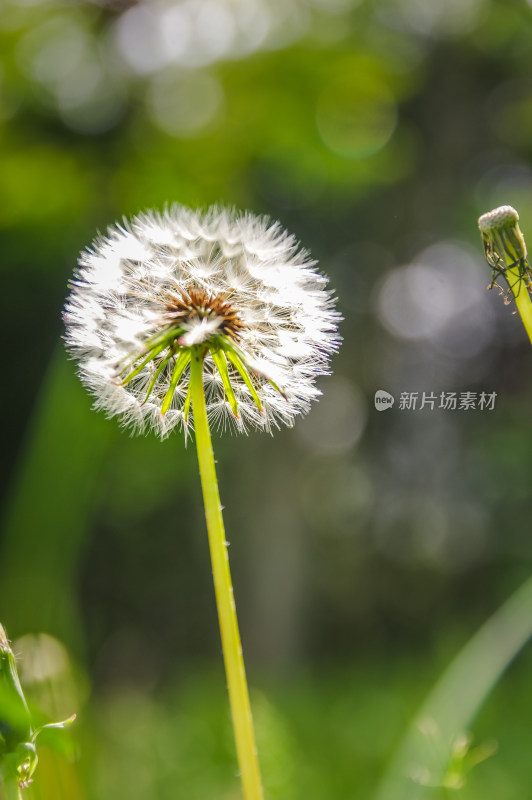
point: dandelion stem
(231, 646)
(522, 300)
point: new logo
(383, 400)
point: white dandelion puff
(232, 287)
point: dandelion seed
(232, 285)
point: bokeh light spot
(184, 104)
(338, 420)
(419, 300)
(437, 17)
(216, 32)
(140, 40)
(356, 114)
(176, 32)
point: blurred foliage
(377, 131)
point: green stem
(522, 299)
(231, 646)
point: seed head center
(194, 305)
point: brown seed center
(194, 304)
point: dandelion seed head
(234, 287)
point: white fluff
(118, 296)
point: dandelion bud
(232, 288)
(504, 244)
(505, 250)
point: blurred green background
(367, 548)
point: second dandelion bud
(232, 287)
(506, 253)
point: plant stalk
(522, 299)
(231, 646)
